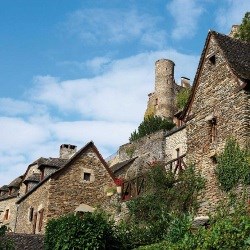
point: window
(213, 129)
(86, 176)
(31, 212)
(10, 190)
(34, 223)
(42, 174)
(178, 152)
(156, 101)
(6, 215)
(40, 220)
(212, 59)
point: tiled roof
(120, 165)
(237, 53)
(16, 183)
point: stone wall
(38, 200)
(8, 203)
(26, 241)
(69, 189)
(216, 97)
(176, 139)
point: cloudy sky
(72, 71)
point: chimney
(67, 150)
(185, 82)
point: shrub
(5, 244)
(150, 125)
(92, 231)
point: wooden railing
(133, 188)
(176, 165)
(136, 186)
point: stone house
(219, 107)
(76, 185)
(8, 197)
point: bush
(92, 231)
(150, 125)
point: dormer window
(212, 59)
(10, 190)
(42, 174)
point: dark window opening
(31, 212)
(42, 174)
(156, 101)
(212, 59)
(6, 215)
(86, 176)
(213, 130)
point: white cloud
(109, 107)
(115, 26)
(186, 14)
(232, 13)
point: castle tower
(164, 88)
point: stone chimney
(185, 82)
(234, 30)
(67, 150)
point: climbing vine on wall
(233, 167)
(182, 97)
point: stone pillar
(164, 88)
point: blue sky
(74, 71)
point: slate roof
(33, 178)
(121, 165)
(4, 188)
(16, 183)
(237, 53)
(51, 162)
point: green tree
(150, 125)
(244, 29)
(182, 97)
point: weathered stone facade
(80, 182)
(219, 109)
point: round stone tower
(164, 88)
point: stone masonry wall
(69, 189)
(176, 140)
(8, 204)
(216, 96)
(38, 199)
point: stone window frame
(88, 171)
(212, 58)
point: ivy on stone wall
(233, 167)
(150, 125)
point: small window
(156, 101)
(6, 215)
(31, 212)
(212, 59)
(86, 176)
(213, 129)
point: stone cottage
(219, 107)
(76, 185)
(8, 197)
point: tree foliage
(182, 97)
(233, 167)
(244, 29)
(5, 243)
(150, 125)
